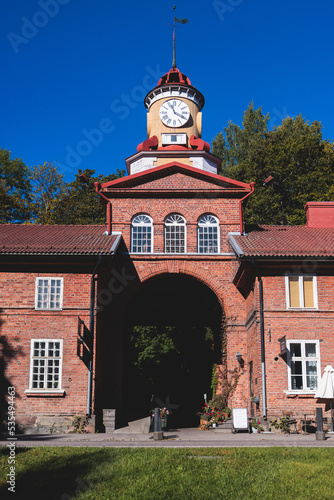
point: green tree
(15, 189)
(300, 162)
(81, 204)
(234, 144)
(48, 192)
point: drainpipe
(263, 352)
(97, 189)
(91, 329)
(252, 185)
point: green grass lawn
(160, 473)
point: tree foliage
(294, 154)
(15, 189)
(47, 194)
(80, 204)
(40, 194)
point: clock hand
(178, 114)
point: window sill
(300, 394)
(54, 393)
(46, 309)
(302, 308)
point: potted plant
(205, 417)
(163, 416)
(227, 412)
(205, 422)
(256, 425)
(214, 422)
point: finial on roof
(176, 20)
(174, 56)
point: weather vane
(176, 20)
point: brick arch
(190, 269)
(204, 210)
(191, 215)
(184, 212)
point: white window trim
(166, 139)
(61, 293)
(205, 225)
(32, 390)
(303, 391)
(301, 292)
(184, 224)
(146, 225)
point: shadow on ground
(54, 477)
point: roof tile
(287, 241)
(60, 239)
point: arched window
(175, 234)
(208, 234)
(142, 234)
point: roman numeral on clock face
(174, 113)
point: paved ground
(175, 439)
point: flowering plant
(212, 414)
(256, 424)
(163, 412)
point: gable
(176, 177)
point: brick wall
(295, 325)
(20, 323)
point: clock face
(174, 113)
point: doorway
(171, 340)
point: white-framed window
(142, 234)
(175, 234)
(45, 364)
(301, 291)
(303, 365)
(49, 293)
(168, 139)
(208, 234)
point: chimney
(319, 213)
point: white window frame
(180, 139)
(175, 220)
(46, 358)
(205, 222)
(49, 279)
(142, 223)
(301, 291)
(303, 359)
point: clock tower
(174, 110)
(174, 127)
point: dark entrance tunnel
(172, 338)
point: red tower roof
(167, 84)
(174, 75)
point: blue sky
(69, 66)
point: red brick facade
(108, 289)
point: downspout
(263, 352)
(252, 185)
(97, 189)
(91, 329)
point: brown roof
(285, 241)
(59, 240)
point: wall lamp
(239, 358)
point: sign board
(282, 342)
(240, 418)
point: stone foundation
(53, 424)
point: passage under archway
(172, 339)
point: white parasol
(326, 388)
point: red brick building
(173, 258)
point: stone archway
(171, 339)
